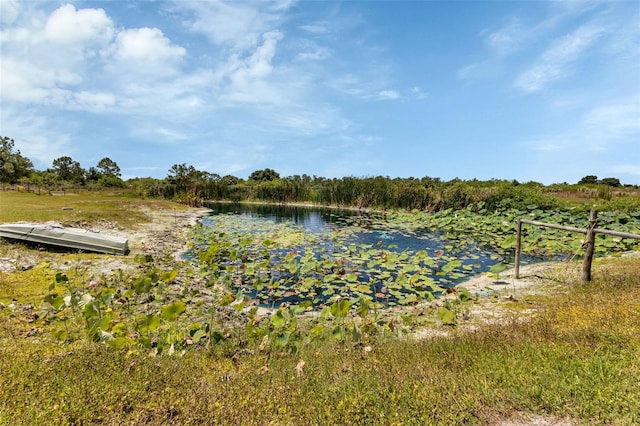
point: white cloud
(255, 83)
(316, 28)
(171, 134)
(234, 24)
(311, 122)
(311, 51)
(69, 26)
(250, 78)
(9, 10)
(146, 45)
(508, 39)
(74, 59)
(366, 89)
(93, 101)
(468, 71)
(554, 63)
(37, 137)
(388, 95)
(23, 82)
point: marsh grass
(578, 358)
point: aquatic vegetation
(283, 262)
(497, 229)
(334, 273)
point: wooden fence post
(518, 248)
(590, 244)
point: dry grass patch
(115, 210)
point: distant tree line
(184, 183)
(593, 180)
(17, 169)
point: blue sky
(543, 91)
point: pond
(309, 256)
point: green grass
(579, 358)
(78, 207)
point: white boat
(57, 235)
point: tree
(66, 169)
(45, 179)
(615, 182)
(108, 173)
(264, 175)
(93, 175)
(230, 180)
(181, 174)
(108, 168)
(13, 165)
(589, 179)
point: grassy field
(92, 207)
(577, 359)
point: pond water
(316, 254)
(366, 227)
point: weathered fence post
(589, 241)
(588, 250)
(518, 248)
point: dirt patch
(526, 419)
(503, 300)
(164, 235)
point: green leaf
(279, 318)
(197, 335)
(451, 266)
(172, 311)
(149, 323)
(317, 330)
(351, 277)
(362, 288)
(338, 332)
(363, 309)
(217, 337)
(340, 309)
(169, 276)
(281, 340)
(497, 268)
(447, 316)
(54, 300)
(464, 294)
(307, 267)
(142, 285)
(117, 343)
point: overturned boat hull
(60, 236)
